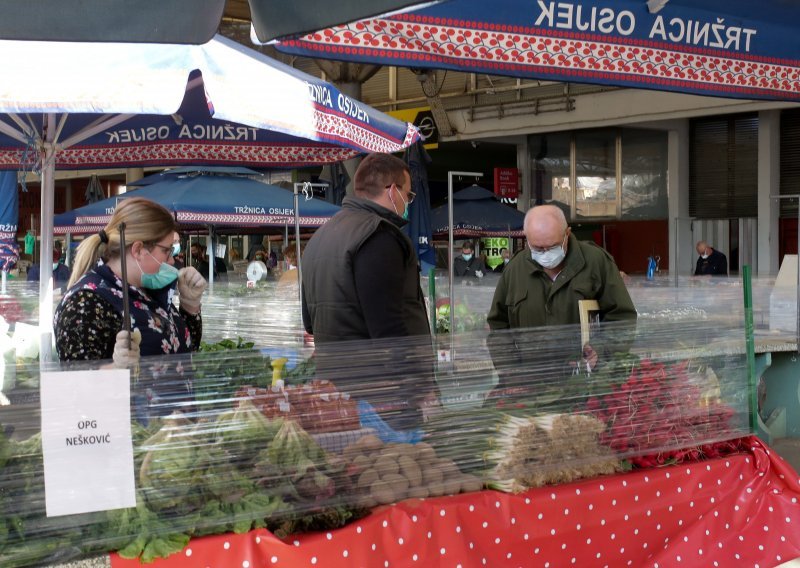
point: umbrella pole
(450, 243)
(297, 186)
(212, 258)
(46, 247)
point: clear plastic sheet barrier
(259, 430)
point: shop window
(644, 174)
(723, 167)
(601, 174)
(596, 174)
(550, 169)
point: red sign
(506, 182)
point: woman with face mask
(89, 318)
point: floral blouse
(89, 317)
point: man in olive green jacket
(541, 286)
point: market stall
(253, 453)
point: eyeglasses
(547, 249)
(411, 194)
(174, 250)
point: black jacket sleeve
(377, 268)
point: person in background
(361, 282)
(289, 276)
(467, 265)
(89, 319)
(504, 254)
(542, 289)
(201, 263)
(61, 272)
(710, 262)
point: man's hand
(191, 285)
(125, 358)
(590, 357)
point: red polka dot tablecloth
(737, 511)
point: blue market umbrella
(725, 48)
(478, 213)
(166, 174)
(419, 214)
(221, 201)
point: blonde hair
(145, 221)
(290, 252)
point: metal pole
(677, 248)
(297, 187)
(297, 246)
(123, 261)
(450, 274)
(212, 258)
(750, 347)
(46, 246)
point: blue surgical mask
(405, 208)
(466, 257)
(166, 275)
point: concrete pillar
(680, 238)
(769, 154)
(133, 174)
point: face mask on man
(550, 258)
(467, 257)
(405, 204)
(705, 255)
(166, 275)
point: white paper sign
(86, 441)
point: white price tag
(86, 441)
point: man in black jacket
(710, 262)
(361, 282)
(468, 265)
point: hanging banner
(726, 48)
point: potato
(424, 452)
(367, 478)
(435, 489)
(369, 443)
(382, 492)
(470, 483)
(451, 485)
(404, 449)
(448, 468)
(398, 483)
(361, 461)
(410, 469)
(432, 475)
(417, 492)
(386, 464)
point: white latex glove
(125, 358)
(191, 285)
(479, 273)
